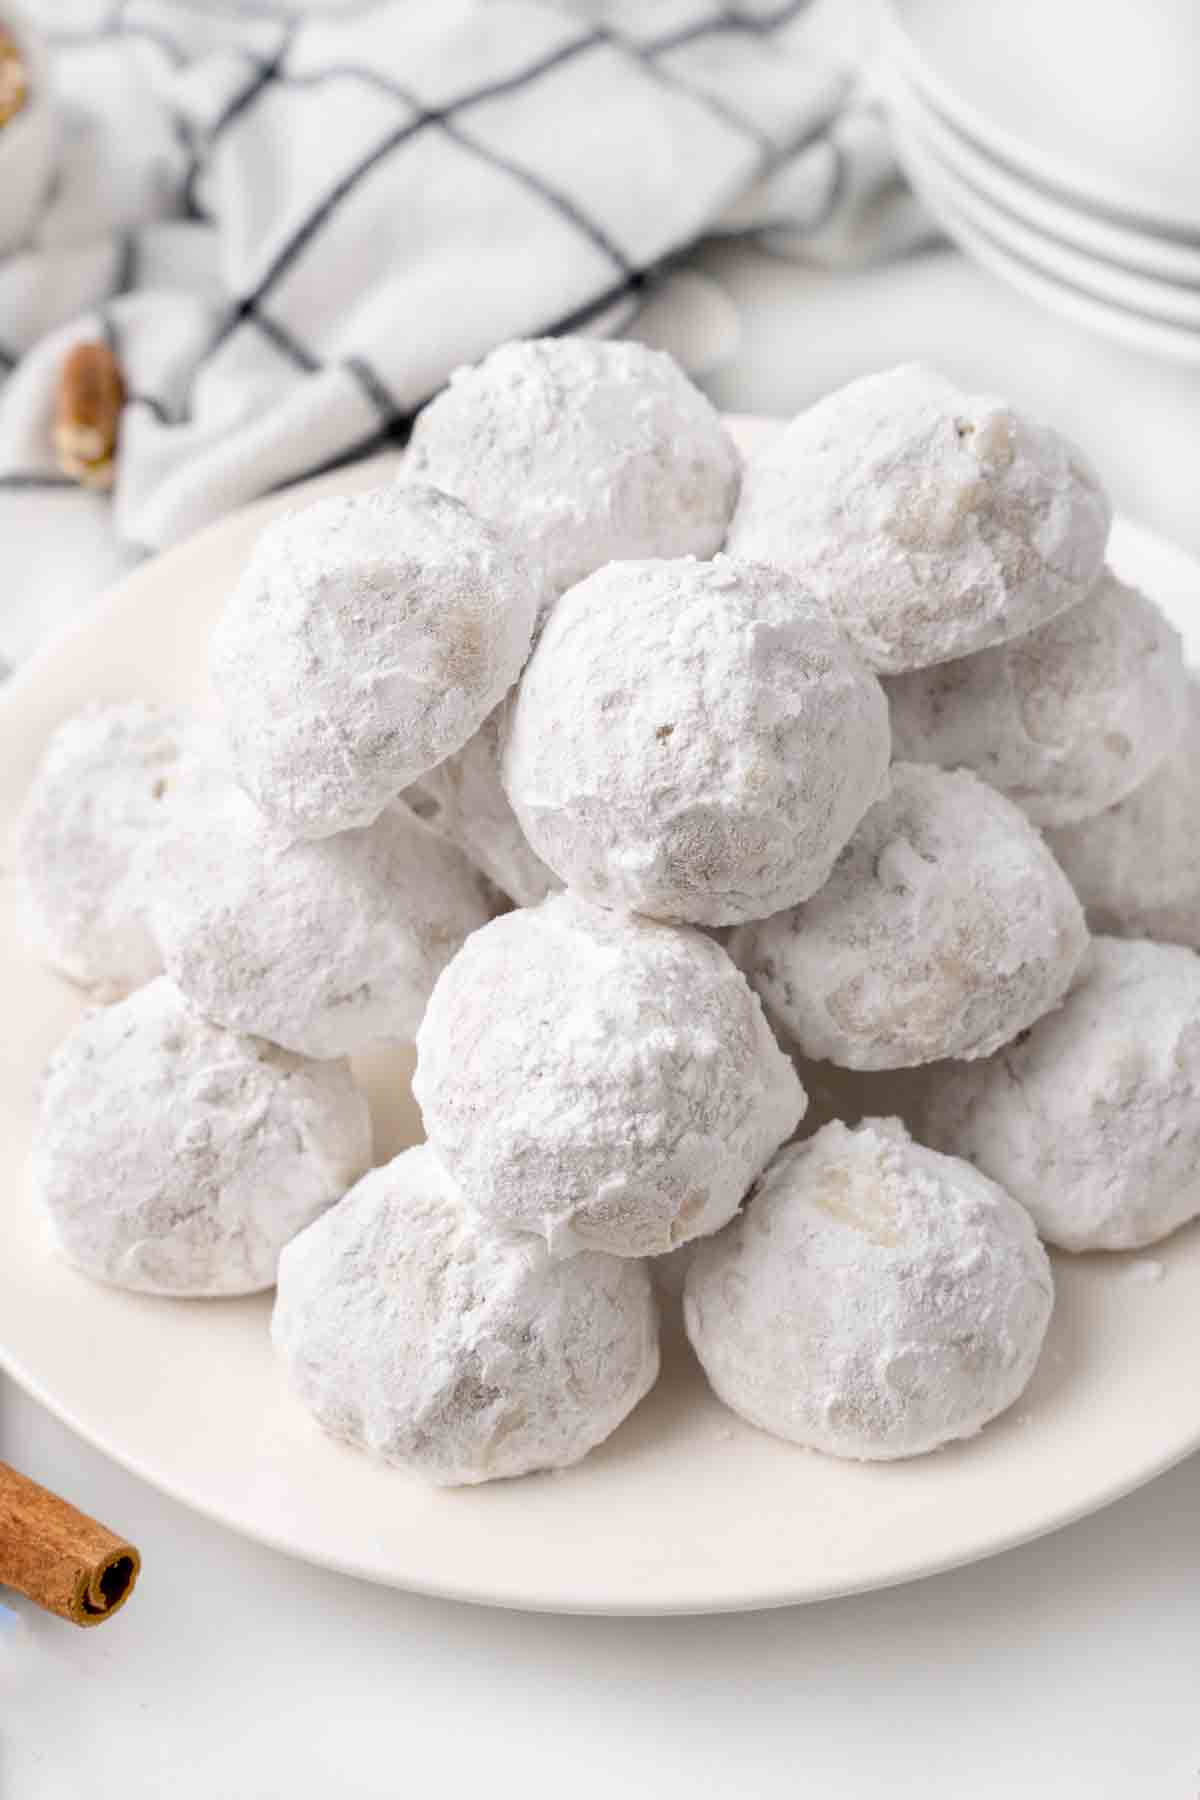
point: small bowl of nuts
(27, 128)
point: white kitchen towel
(292, 226)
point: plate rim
(1027, 203)
(1100, 278)
(1149, 335)
(920, 1569)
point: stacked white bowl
(1058, 141)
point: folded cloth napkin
(292, 225)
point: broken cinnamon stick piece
(87, 418)
(59, 1558)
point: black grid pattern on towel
(629, 279)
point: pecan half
(91, 393)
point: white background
(1069, 1668)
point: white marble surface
(1068, 1668)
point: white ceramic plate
(1123, 247)
(1031, 274)
(1171, 302)
(1096, 104)
(685, 1509)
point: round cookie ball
(874, 1300)
(113, 780)
(173, 1157)
(931, 522)
(369, 636)
(945, 929)
(1136, 866)
(589, 452)
(461, 1356)
(327, 948)
(1066, 720)
(606, 1083)
(694, 741)
(1092, 1118)
(464, 798)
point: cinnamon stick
(59, 1558)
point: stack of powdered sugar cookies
(652, 795)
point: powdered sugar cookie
(945, 929)
(459, 1355)
(1066, 720)
(1136, 866)
(931, 522)
(177, 1158)
(369, 636)
(327, 948)
(875, 1300)
(465, 798)
(605, 1083)
(1092, 1118)
(587, 451)
(113, 780)
(694, 741)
